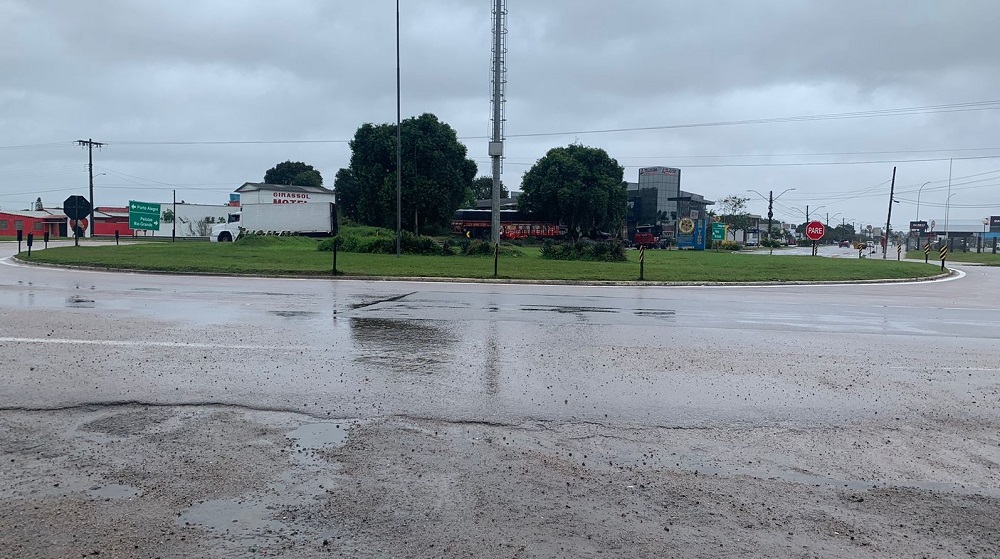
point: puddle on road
(294, 314)
(114, 491)
(410, 346)
(568, 309)
(312, 437)
(77, 302)
(242, 518)
(657, 314)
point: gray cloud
(122, 71)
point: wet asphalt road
(660, 356)
(175, 399)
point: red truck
(644, 237)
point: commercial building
(657, 200)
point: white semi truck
(315, 219)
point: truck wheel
(225, 237)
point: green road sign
(143, 215)
(718, 231)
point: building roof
(257, 186)
(35, 214)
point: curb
(511, 281)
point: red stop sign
(815, 230)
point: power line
(904, 111)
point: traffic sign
(76, 207)
(718, 231)
(143, 215)
(815, 230)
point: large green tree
(436, 174)
(578, 186)
(293, 172)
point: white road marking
(140, 343)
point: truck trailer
(313, 219)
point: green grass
(986, 258)
(298, 256)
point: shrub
(477, 247)
(604, 251)
(771, 243)
(727, 245)
(386, 244)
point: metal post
(496, 258)
(335, 239)
(947, 204)
(173, 222)
(399, 152)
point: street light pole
(399, 152)
(919, 190)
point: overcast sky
(204, 96)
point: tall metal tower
(499, 83)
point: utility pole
(89, 144)
(807, 213)
(885, 238)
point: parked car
(845, 244)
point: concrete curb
(594, 283)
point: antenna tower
(497, 120)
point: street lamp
(918, 198)
(947, 208)
(814, 209)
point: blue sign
(691, 234)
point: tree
(733, 212)
(578, 186)
(293, 172)
(436, 174)
(38, 204)
(346, 189)
(167, 217)
(482, 189)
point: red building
(107, 220)
(37, 222)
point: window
(18, 224)
(4, 224)
(38, 226)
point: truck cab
(645, 237)
(226, 232)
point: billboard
(919, 227)
(995, 224)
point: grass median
(986, 258)
(300, 257)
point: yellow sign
(686, 225)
